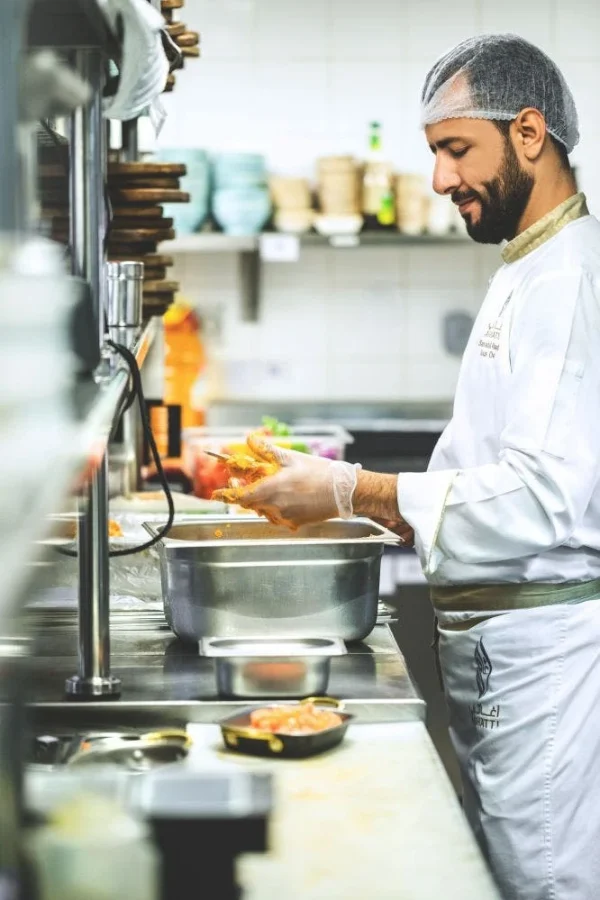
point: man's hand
(401, 528)
(306, 489)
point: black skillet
(240, 736)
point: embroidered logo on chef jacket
(483, 668)
(489, 344)
(480, 716)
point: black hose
(138, 392)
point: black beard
(502, 204)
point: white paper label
(344, 240)
(279, 248)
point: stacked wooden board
(188, 41)
(136, 191)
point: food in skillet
(306, 718)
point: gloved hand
(306, 488)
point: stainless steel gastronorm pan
(273, 668)
(224, 577)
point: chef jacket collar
(574, 207)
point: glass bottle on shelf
(378, 204)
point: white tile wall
(299, 78)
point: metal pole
(13, 15)
(12, 18)
(131, 449)
(88, 165)
(129, 140)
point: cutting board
(143, 169)
(147, 195)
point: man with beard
(506, 521)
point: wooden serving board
(176, 29)
(117, 250)
(138, 212)
(147, 195)
(126, 222)
(150, 259)
(188, 39)
(160, 287)
(140, 235)
(142, 169)
(144, 181)
(154, 273)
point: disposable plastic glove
(306, 489)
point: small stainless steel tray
(272, 668)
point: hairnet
(495, 76)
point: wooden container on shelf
(289, 193)
(338, 186)
(412, 203)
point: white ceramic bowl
(333, 225)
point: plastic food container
(208, 474)
(272, 668)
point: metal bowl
(273, 668)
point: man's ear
(529, 133)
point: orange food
(247, 469)
(275, 671)
(305, 718)
(219, 533)
(114, 529)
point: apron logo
(489, 344)
(483, 668)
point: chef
(506, 521)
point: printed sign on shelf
(279, 248)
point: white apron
(523, 691)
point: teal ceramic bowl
(239, 170)
(189, 217)
(240, 210)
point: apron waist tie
(493, 598)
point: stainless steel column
(88, 166)
(129, 141)
(125, 283)
(12, 18)
(12, 22)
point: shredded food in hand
(247, 469)
(306, 718)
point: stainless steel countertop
(374, 818)
(392, 822)
(167, 681)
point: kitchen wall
(300, 78)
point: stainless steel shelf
(94, 409)
(216, 242)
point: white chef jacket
(512, 493)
